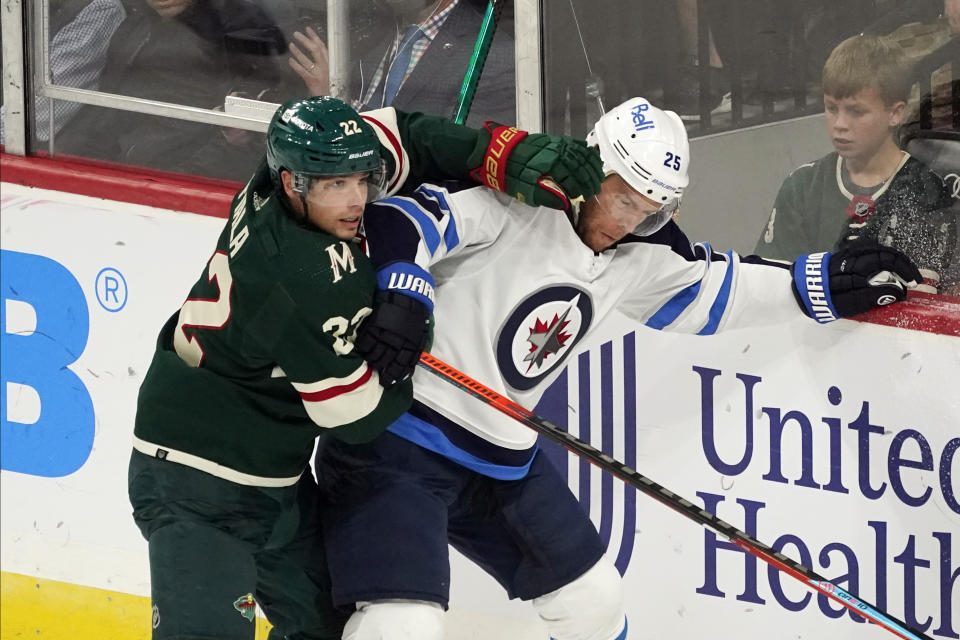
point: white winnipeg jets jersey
(516, 291)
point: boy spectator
(868, 189)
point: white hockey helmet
(649, 149)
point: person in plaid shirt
(421, 68)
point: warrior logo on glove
(852, 281)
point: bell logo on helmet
(647, 147)
(640, 122)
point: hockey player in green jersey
(868, 189)
(260, 359)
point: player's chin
(599, 241)
(351, 224)
(346, 231)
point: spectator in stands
(683, 93)
(937, 75)
(81, 32)
(868, 189)
(422, 67)
(187, 52)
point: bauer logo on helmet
(666, 186)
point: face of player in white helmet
(613, 213)
(333, 204)
(648, 150)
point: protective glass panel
(411, 54)
(779, 184)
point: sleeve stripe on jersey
(450, 236)
(344, 404)
(394, 146)
(428, 229)
(309, 388)
(720, 302)
(333, 392)
(668, 313)
(705, 249)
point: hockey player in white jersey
(517, 287)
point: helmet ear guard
(649, 149)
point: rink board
(836, 443)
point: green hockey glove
(537, 168)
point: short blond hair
(863, 62)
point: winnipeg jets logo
(547, 339)
(540, 332)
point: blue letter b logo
(56, 440)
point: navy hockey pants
(391, 508)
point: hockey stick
(667, 497)
(480, 50)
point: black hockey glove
(851, 281)
(537, 168)
(393, 336)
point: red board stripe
(210, 197)
(921, 312)
(205, 196)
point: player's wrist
(492, 171)
(852, 280)
(407, 279)
(811, 286)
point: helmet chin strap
(300, 186)
(306, 208)
(572, 212)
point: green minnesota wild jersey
(816, 211)
(261, 353)
(259, 360)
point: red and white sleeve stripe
(333, 402)
(384, 122)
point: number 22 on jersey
(204, 313)
(214, 313)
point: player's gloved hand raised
(538, 168)
(392, 338)
(852, 280)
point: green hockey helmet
(322, 137)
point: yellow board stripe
(39, 608)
